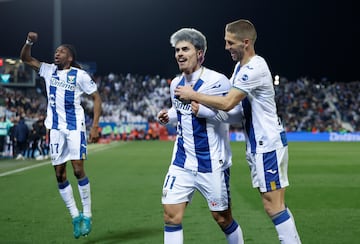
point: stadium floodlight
(276, 80)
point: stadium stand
(131, 103)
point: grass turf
(126, 181)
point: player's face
(187, 57)
(235, 46)
(62, 57)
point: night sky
(308, 38)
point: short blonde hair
(243, 29)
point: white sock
(234, 234)
(84, 190)
(173, 234)
(67, 195)
(286, 228)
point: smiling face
(63, 57)
(188, 57)
(235, 46)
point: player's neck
(247, 59)
(194, 76)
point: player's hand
(32, 36)
(185, 93)
(163, 117)
(195, 107)
(94, 134)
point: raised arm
(25, 54)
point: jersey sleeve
(250, 76)
(86, 83)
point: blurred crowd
(303, 105)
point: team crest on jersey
(71, 79)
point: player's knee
(172, 219)
(79, 173)
(60, 177)
(272, 208)
(223, 219)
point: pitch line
(95, 149)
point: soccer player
(201, 156)
(266, 144)
(65, 83)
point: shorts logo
(164, 193)
(213, 203)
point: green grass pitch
(126, 181)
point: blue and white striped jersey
(202, 145)
(263, 129)
(64, 89)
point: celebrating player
(201, 156)
(65, 83)
(266, 144)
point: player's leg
(77, 142)
(178, 189)
(60, 154)
(229, 226)
(215, 187)
(66, 193)
(272, 171)
(173, 215)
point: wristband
(29, 42)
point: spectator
(21, 133)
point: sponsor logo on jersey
(184, 108)
(271, 171)
(245, 77)
(55, 82)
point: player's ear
(200, 56)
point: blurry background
(317, 39)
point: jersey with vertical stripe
(64, 89)
(264, 131)
(202, 145)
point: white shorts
(180, 185)
(67, 145)
(269, 170)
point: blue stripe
(63, 184)
(181, 83)
(201, 143)
(52, 101)
(198, 84)
(69, 102)
(284, 215)
(249, 128)
(231, 228)
(172, 228)
(227, 183)
(83, 181)
(82, 145)
(180, 153)
(201, 140)
(283, 138)
(271, 170)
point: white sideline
(95, 149)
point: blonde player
(266, 144)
